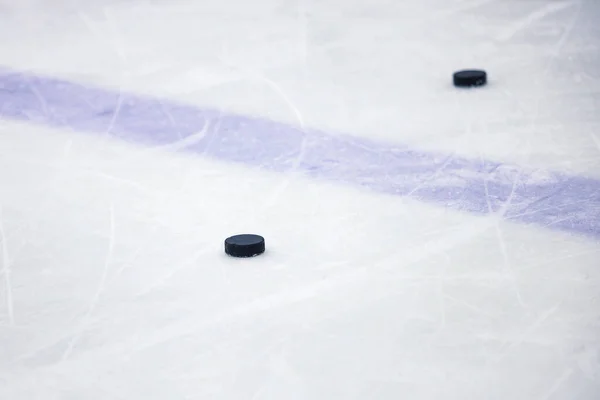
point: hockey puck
(244, 245)
(470, 78)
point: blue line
(544, 198)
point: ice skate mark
(556, 222)
(497, 217)
(561, 258)
(471, 306)
(172, 271)
(285, 181)
(122, 55)
(135, 254)
(553, 56)
(6, 271)
(114, 116)
(185, 142)
(527, 213)
(44, 105)
(563, 38)
(172, 121)
(507, 346)
(432, 177)
(96, 297)
(102, 36)
(566, 374)
(535, 16)
(126, 182)
(150, 238)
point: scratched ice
(422, 242)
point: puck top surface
(245, 245)
(470, 77)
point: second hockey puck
(470, 78)
(245, 245)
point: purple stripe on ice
(544, 198)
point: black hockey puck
(470, 78)
(244, 245)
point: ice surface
(336, 134)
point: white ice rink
(380, 280)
